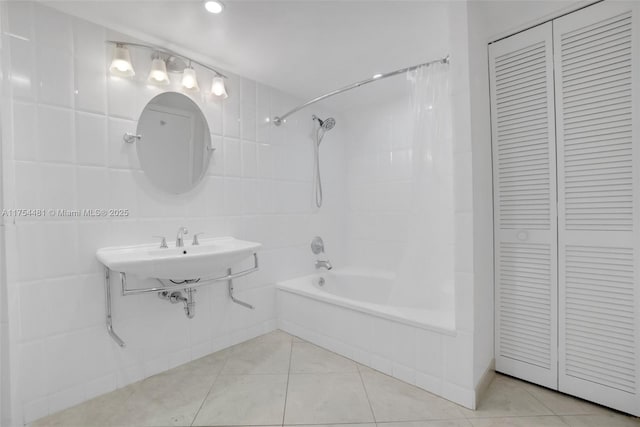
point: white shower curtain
(426, 271)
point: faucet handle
(196, 242)
(163, 242)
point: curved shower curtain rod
(278, 120)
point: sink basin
(189, 262)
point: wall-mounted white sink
(177, 263)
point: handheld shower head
(326, 124)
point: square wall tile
(21, 19)
(122, 191)
(55, 135)
(75, 303)
(92, 236)
(91, 139)
(429, 353)
(100, 386)
(53, 29)
(90, 85)
(92, 187)
(76, 358)
(120, 92)
(233, 196)
(265, 160)
(457, 354)
(248, 109)
(55, 76)
(34, 311)
(249, 159)
(265, 196)
(232, 157)
(25, 136)
(32, 372)
(54, 262)
(27, 185)
(250, 196)
(28, 242)
(88, 38)
(212, 109)
(215, 196)
(464, 242)
(58, 187)
(66, 398)
(463, 182)
(23, 70)
(404, 345)
(464, 301)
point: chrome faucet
(180, 237)
(324, 264)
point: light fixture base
(277, 121)
(175, 64)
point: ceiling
(305, 48)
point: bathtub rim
(361, 307)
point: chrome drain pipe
(189, 303)
(176, 297)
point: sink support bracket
(233, 298)
(107, 292)
(186, 284)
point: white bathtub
(350, 314)
(369, 292)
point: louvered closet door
(597, 76)
(522, 110)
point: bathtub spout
(324, 264)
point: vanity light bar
(171, 60)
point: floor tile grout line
(517, 384)
(366, 393)
(331, 424)
(209, 392)
(286, 390)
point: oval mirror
(174, 146)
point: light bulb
(121, 63)
(158, 74)
(213, 6)
(218, 88)
(189, 79)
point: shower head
(326, 124)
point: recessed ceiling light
(213, 6)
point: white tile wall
(67, 117)
(379, 184)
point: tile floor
(277, 379)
